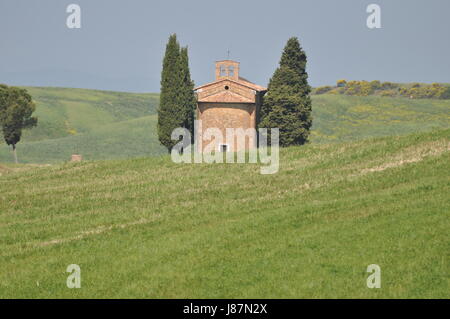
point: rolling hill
(97, 124)
(338, 118)
(114, 125)
(150, 228)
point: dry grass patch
(412, 154)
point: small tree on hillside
(177, 100)
(287, 105)
(16, 108)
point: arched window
(231, 70)
(223, 70)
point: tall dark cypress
(188, 101)
(170, 110)
(177, 99)
(287, 105)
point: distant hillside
(150, 228)
(62, 110)
(112, 125)
(97, 124)
(338, 118)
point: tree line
(366, 88)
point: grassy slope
(107, 125)
(152, 228)
(120, 125)
(124, 139)
(60, 109)
(349, 118)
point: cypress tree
(177, 99)
(188, 101)
(287, 105)
(171, 82)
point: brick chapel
(229, 102)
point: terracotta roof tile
(255, 86)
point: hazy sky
(121, 43)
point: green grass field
(147, 227)
(114, 125)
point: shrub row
(366, 88)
